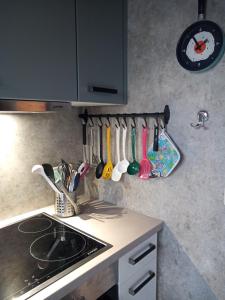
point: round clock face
(200, 46)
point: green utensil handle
(133, 142)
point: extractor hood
(30, 106)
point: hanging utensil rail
(165, 115)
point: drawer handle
(99, 89)
(134, 261)
(134, 291)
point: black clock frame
(188, 34)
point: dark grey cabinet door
(101, 51)
(38, 50)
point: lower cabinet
(137, 272)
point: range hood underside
(30, 106)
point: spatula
(145, 165)
(38, 169)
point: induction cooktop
(38, 251)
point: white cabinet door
(141, 288)
(140, 257)
(137, 272)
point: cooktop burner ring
(42, 224)
(54, 244)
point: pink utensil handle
(144, 142)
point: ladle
(101, 165)
(134, 166)
(123, 165)
(85, 167)
(116, 175)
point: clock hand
(197, 44)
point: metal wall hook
(203, 117)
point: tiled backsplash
(28, 139)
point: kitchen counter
(120, 227)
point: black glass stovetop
(37, 251)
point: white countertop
(120, 227)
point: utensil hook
(109, 124)
(157, 121)
(146, 124)
(118, 122)
(133, 124)
(90, 123)
(100, 124)
(124, 123)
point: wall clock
(201, 45)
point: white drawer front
(141, 288)
(143, 257)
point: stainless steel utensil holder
(63, 208)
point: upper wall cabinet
(101, 50)
(63, 50)
(38, 50)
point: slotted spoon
(107, 171)
(145, 164)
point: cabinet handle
(99, 89)
(134, 261)
(134, 291)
